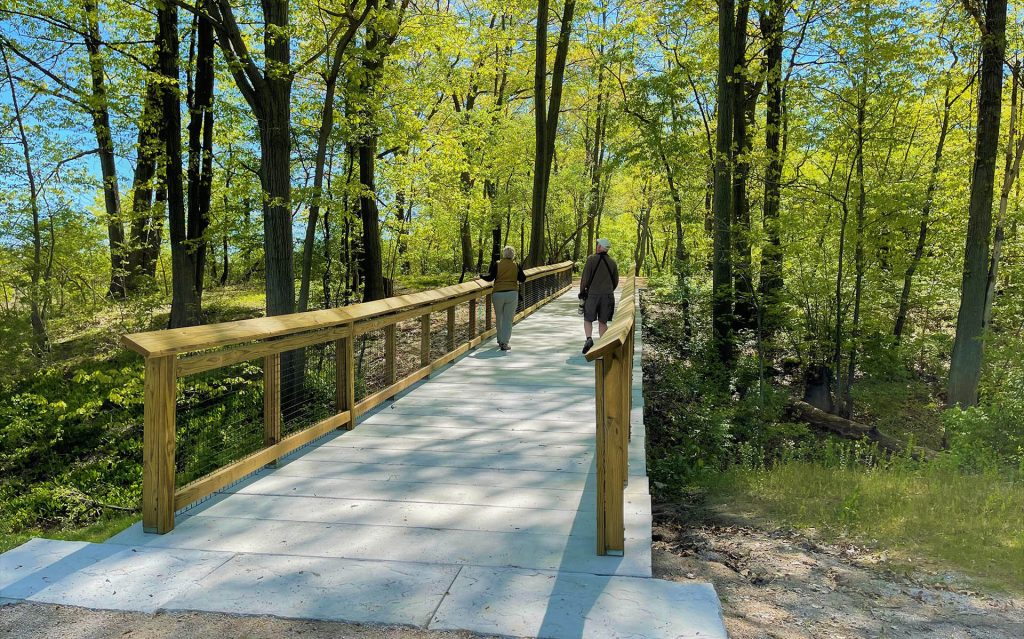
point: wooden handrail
(612, 355)
(178, 353)
(210, 336)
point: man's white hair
(508, 253)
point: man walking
(597, 288)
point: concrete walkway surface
(467, 503)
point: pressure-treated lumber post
(472, 318)
(345, 373)
(158, 439)
(425, 340)
(600, 444)
(389, 354)
(272, 401)
(613, 454)
(451, 328)
(487, 311)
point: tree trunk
(184, 303)
(540, 69)
(1014, 150)
(38, 274)
(105, 143)
(200, 155)
(770, 285)
(721, 259)
(744, 315)
(322, 140)
(922, 233)
(142, 257)
(968, 349)
(858, 254)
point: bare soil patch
(781, 583)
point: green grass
(97, 532)
(970, 522)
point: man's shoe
(587, 345)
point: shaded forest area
(824, 195)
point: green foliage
(71, 444)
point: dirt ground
(783, 584)
(774, 583)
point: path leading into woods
(467, 503)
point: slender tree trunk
(744, 311)
(184, 303)
(1014, 150)
(922, 233)
(540, 70)
(858, 255)
(968, 349)
(38, 274)
(722, 205)
(105, 142)
(770, 285)
(200, 155)
(141, 261)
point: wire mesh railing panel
(308, 386)
(438, 335)
(370, 365)
(462, 324)
(408, 334)
(219, 419)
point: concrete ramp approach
(466, 503)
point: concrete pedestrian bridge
(377, 466)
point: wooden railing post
(345, 378)
(160, 396)
(272, 401)
(472, 318)
(488, 301)
(389, 354)
(611, 455)
(451, 328)
(425, 340)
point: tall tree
(968, 348)
(546, 124)
(721, 269)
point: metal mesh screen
(219, 419)
(308, 383)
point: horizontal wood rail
(274, 343)
(612, 355)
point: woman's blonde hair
(508, 253)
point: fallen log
(853, 430)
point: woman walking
(506, 275)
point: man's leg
(588, 329)
(601, 328)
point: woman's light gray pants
(505, 304)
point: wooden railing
(286, 346)
(612, 355)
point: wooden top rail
(209, 336)
(622, 325)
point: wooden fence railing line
(177, 353)
(612, 355)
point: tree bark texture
(968, 349)
(721, 270)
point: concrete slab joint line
(468, 503)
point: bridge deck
(466, 494)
